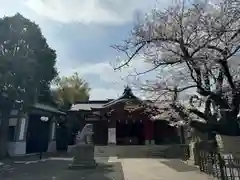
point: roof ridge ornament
(128, 92)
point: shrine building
(123, 121)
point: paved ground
(160, 169)
(58, 170)
(108, 169)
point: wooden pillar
(146, 132)
(149, 131)
(152, 141)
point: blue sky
(81, 32)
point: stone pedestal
(147, 142)
(83, 157)
(152, 142)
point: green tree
(69, 90)
(46, 95)
(27, 64)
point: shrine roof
(88, 105)
(127, 96)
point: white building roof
(85, 106)
(47, 108)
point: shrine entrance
(129, 132)
(128, 124)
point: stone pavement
(108, 169)
(57, 169)
(160, 169)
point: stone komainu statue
(83, 151)
(85, 136)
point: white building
(33, 132)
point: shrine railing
(221, 167)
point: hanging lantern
(126, 122)
(43, 118)
(141, 121)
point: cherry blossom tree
(202, 38)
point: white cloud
(89, 11)
(106, 73)
(103, 93)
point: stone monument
(83, 152)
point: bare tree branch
(157, 66)
(201, 38)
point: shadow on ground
(178, 165)
(147, 157)
(58, 170)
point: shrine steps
(144, 151)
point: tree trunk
(4, 126)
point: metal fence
(221, 167)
